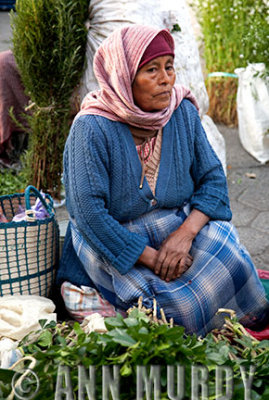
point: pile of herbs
(138, 341)
(235, 33)
(49, 41)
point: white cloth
(19, 315)
(94, 323)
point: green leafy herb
(141, 340)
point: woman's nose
(164, 77)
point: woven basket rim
(11, 224)
(14, 224)
(22, 194)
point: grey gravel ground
(249, 197)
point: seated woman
(147, 195)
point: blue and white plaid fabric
(222, 275)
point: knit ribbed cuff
(214, 209)
(130, 255)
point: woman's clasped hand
(174, 258)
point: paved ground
(249, 197)
(5, 31)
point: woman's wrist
(194, 223)
(148, 257)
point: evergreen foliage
(49, 41)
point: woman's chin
(158, 107)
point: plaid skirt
(222, 275)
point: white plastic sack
(253, 111)
(108, 15)
(216, 139)
(187, 61)
(19, 315)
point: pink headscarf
(115, 65)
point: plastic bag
(253, 111)
(38, 209)
(9, 353)
(215, 138)
(19, 315)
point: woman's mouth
(163, 94)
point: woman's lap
(222, 275)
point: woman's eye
(152, 69)
(170, 68)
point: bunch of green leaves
(11, 181)
(134, 341)
(49, 41)
(241, 352)
(235, 32)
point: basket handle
(48, 206)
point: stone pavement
(5, 31)
(249, 197)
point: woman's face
(152, 87)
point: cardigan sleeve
(86, 176)
(211, 190)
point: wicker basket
(29, 250)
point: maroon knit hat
(159, 46)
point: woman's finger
(188, 261)
(182, 267)
(171, 271)
(159, 262)
(164, 271)
(164, 261)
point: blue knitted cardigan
(102, 173)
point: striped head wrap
(115, 65)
